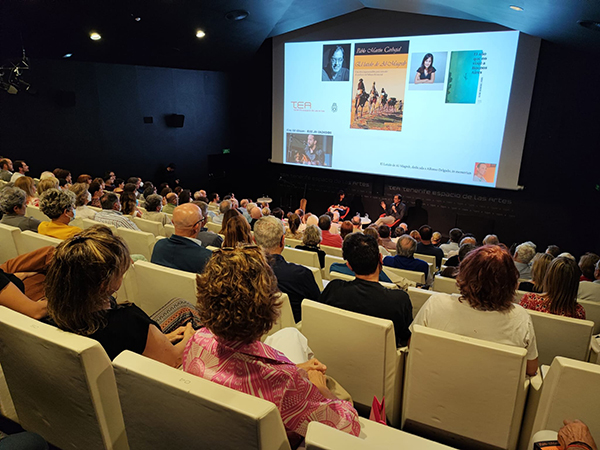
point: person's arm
(576, 435)
(160, 348)
(13, 298)
(417, 78)
(432, 80)
(532, 367)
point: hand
(176, 335)
(383, 205)
(573, 431)
(189, 331)
(318, 379)
(313, 364)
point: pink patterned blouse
(540, 303)
(264, 372)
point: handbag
(378, 411)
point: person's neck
(374, 277)
(275, 251)
(63, 220)
(424, 242)
(186, 234)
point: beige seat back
(519, 295)
(393, 273)
(445, 284)
(214, 227)
(561, 336)
(427, 258)
(150, 286)
(34, 211)
(289, 242)
(31, 241)
(169, 230)
(9, 236)
(139, 242)
(89, 223)
(592, 312)
(570, 391)
(303, 257)
(329, 260)
(318, 276)
(165, 408)
(286, 317)
(418, 297)
(464, 392)
(333, 251)
(149, 226)
(359, 351)
(62, 385)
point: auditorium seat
(570, 391)
(214, 227)
(561, 336)
(333, 251)
(286, 317)
(318, 276)
(464, 392)
(89, 223)
(166, 408)
(62, 385)
(150, 286)
(329, 260)
(149, 226)
(139, 242)
(31, 241)
(345, 277)
(592, 312)
(418, 297)
(519, 295)
(394, 274)
(289, 242)
(169, 230)
(445, 284)
(34, 211)
(303, 257)
(7, 406)
(373, 435)
(360, 353)
(9, 236)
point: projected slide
(425, 107)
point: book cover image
(463, 76)
(379, 84)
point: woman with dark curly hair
(59, 206)
(487, 280)
(238, 303)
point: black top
(527, 286)
(431, 250)
(6, 278)
(453, 261)
(372, 299)
(317, 250)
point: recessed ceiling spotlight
(200, 34)
(136, 18)
(590, 24)
(95, 36)
(516, 8)
(236, 14)
(67, 55)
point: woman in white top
(83, 197)
(487, 280)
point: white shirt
(513, 327)
(449, 247)
(85, 212)
(15, 176)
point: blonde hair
(47, 183)
(26, 183)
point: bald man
(183, 250)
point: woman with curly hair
(237, 231)
(238, 302)
(59, 206)
(487, 280)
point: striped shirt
(116, 218)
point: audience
(539, 267)
(436, 238)
(224, 206)
(523, 256)
(463, 251)
(59, 206)
(454, 260)
(229, 214)
(553, 250)
(452, 245)
(311, 239)
(372, 231)
(154, 204)
(404, 258)
(255, 214)
(82, 198)
(425, 247)
(47, 183)
(13, 205)
(346, 228)
(364, 294)
(27, 184)
(172, 202)
(6, 168)
(386, 241)
(20, 169)
(183, 250)
(560, 291)
(293, 230)
(237, 231)
(129, 205)
(111, 213)
(97, 192)
(328, 238)
(589, 290)
(207, 237)
(587, 264)
(491, 239)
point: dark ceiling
(165, 33)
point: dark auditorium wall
(559, 204)
(105, 128)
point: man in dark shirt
(365, 295)
(295, 280)
(425, 247)
(404, 259)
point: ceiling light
(200, 34)
(590, 24)
(67, 55)
(236, 14)
(95, 36)
(516, 8)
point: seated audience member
(523, 256)
(587, 265)
(425, 247)
(12, 204)
(365, 295)
(84, 178)
(97, 193)
(560, 291)
(149, 189)
(198, 195)
(293, 230)
(295, 280)
(278, 212)
(224, 206)
(109, 180)
(345, 268)
(491, 239)
(346, 228)
(229, 214)
(243, 209)
(129, 205)
(553, 250)
(154, 203)
(63, 184)
(237, 232)
(539, 267)
(46, 174)
(372, 231)
(386, 240)
(566, 255)
(59, 206)
(31, 268)
(82, 198)
(111, 213)
(453, 244)
(12, 295)
(328, 238)
(487, 280)
(436, 238)
(45, 184)
(255, 215)
(21, 168)
(207, 237)
(64, 174)
(311, 239)
(136, 182)
(185, 196)
(463, 251)
(356, 223)
(590, 290)
(311, 219)
(238, 304)
(213, 202)
(6, 168)
(119, 186)
(454, 260)
(415, 235)
(85, 272)
(183, 250)
(26, 183)
(404, 258)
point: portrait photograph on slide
(427, 71)
(336, 62)
(463, 76)
(484, 172)
(309, 149)
(378, 85)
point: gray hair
(153, 201)
(491, 239)
(81, 192)
(53, 202)
(268, 231)
(11, 197)
(202, 205)
(408, 249)
(312, 235)
(224, 206)
(526, 253)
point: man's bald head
(256, 213)
(186, 219)
(172, 198)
